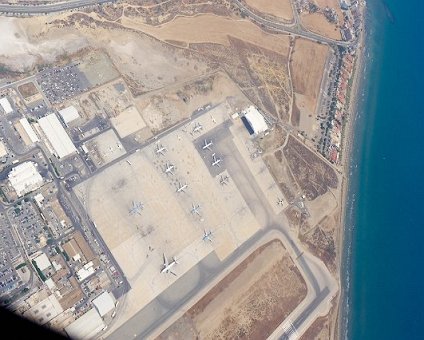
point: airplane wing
(165, 260)
(173, 273)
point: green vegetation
(66, 256)
(50, 241)
(17, 210)
(19, 266)
(40, 273)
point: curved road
(50, 8)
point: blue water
(387, 261)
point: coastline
(349, 141)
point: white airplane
(215, 160)
(160, 149)
(280, 201)
(213, 119)
(207, 236)
(195, 209)
(207, 145)
(197, 128)
(224, 180)
(136, 208)
(167, 266)
(181, 188)
(169, 168)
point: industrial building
(69, 114)
(5, 105)
(60, 143)
(86, 327)
(25, 178)
(44, 311)
(104, 303)
(28, 130)
(3, 150)
(254, 121)
(42, 262)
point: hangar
(69, 114)
(86, 327)
(254, 121)
(57, 136)
(104, 303)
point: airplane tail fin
(175, 260)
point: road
(49, 8)
(295, 28)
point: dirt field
(313, 174)
(307, 67)
(280, 9)
(316, 22)
(209, 28)
(249, 303)
(27, 90)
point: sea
(383, 281)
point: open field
(250, 302)
(280, 9)
(27, 90)
(209, 28)
(307, 67)
(316, 22)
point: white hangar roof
(256, 120)
(104, 303)
(86, 327)
(5, 104)
(69, 114)
(57, 136)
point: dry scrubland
(280, 9)
(248, 303)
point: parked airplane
(195, 209)
(169, 168)
(181, 188)
(136, 208)
(167, 266)
(160, 149)
(224, 180)
(207, 236)
(197, 128)
(215, 160)
(280, 201)
(207, 145)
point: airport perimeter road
(50, 8)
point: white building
(86, 327)
(5, 105)
(44, 311)
(85, 271)
(69, 114)
(255, 120)
(104, 303)
(25, 178)
(3, 150)
(42, 262)
(56, 135)
(29, 131)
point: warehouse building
(69, 114)
(86, 327)
(60, 143)
(104, 303)
(30, 134)
(25, 178)
(5, 105)
(44, 311)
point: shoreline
(348, 143)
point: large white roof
(104, 303)
(256, 120)
(25, 178)
(5, 104)
(42, 261)
(69, 114)
(28, 129)
(86, 327)
(57, 136)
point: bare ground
(249, 303)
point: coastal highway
(49, 8)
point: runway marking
(290, 332)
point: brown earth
(249, 303)
(281, 9)
(27, 90)
(307, 67)
(312, 173)
(318, 23)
